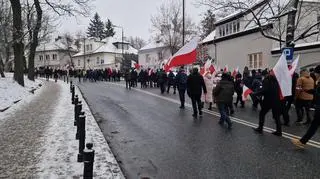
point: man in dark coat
(171, 82)
(181, 82)
(162, 80)
(127, 77)
(238, 85)
(271, 100)
(224, 95)
(195, 85)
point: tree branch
(303, 35)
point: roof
(109, 47)
(210, 37)
(53, 46)
(299, 47)
(153, 45)
(240, 13)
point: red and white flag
(226, 69)
(294, 65)
(212, 69)
(150, 72)
(137, 66)
(207, 65)
(186, 55)
(202, 71)
(246, 92)
(283, 76)
(235, 72)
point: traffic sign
(289, 53)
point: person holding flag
(238, 86)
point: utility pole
(291, 24)
(84, 53)
(183, 25)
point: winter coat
(270, 91)
(162, 77)
(257, 83)
(224, 92)
(304, 84)
(208, 80)
(181, 80)
(171, 78)
(238, 86)
(195, 85)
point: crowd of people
(219, 88)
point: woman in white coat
(207, 98)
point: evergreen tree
(207, 23)
(109, 29)
(96, 28)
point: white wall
(234, 52)
(108, 58)
(62, 59)
(153, 56)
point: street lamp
(121, 40)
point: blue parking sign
(289, 53)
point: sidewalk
(37, 140)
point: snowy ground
(11, 92)
(59, 152)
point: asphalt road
(151, 137)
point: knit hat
(317, 69)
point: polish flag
(207, 65)
(212, 69)
(136, 66)
(246, 92)
(150, 72)
(186, 55)
(226, 69)
(294, 65)
(235, 72)
(202, 71)
(283, 76)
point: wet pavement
(151, 137)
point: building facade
(103, 54)
(154, 55)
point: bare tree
(167, 25)
(137, 42)
(68, 42)
(287, 17)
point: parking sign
(289, 53)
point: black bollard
(82, 136)
(77, 109)
(78, 127)
(70, 85)
(72, 94)
(88, 159)
(76, 100)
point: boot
(210, 106)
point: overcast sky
(133, 15)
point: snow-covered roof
(51, 46)
(153, 45)
(107, 46)
(239, 12)
(300, 45)
(210, 37)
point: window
(234, 27)
(88, 60)
(40, 57)
(318, 20)
(238, 26)
(227, 29)
(159, 55)
(98, 61)
(230, 28)
(255, 61)
(223, 31)
(54, 56)
(87, 47)
(90, 46)
(78, 62)
(47, 57)
(147, 58)
(220, 31)
(102, 61)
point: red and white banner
(186, 55)
(294, 65)
(212, 69)
(281, 71)
(246, 92)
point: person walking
(162, 80)
(271, 100)
(207, 98)
(223, 96)
(316, 119)
(304, 99)
(195, 85)
(181, 82)
(128, 79)
(238, 86)
(171, 82)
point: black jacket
(224, 91)
(270, 91)
(195, 85)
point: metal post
(82, 136)
(75, 100)
(88, 160)
(84, 53)
(183, 25)
(71, 86)
(77, 109)
(72, 94)
(291, 24)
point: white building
(107, 53)
(154, 55)
(238, 41)
(54, 54)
